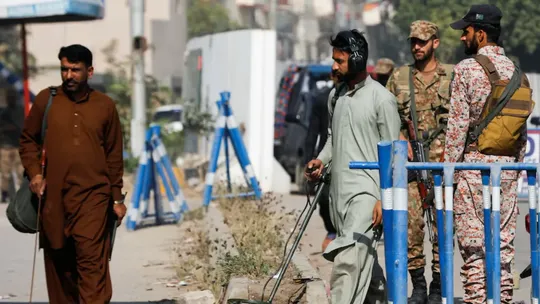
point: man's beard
(345, 77)
(427, 56)
(383, 79)
(472, 48)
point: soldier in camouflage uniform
(383, 70)
(481, 29)
(431, 82)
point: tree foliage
(11, 51)
(519, 34)
(208, 17)
(119, 87)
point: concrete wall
(243, 62)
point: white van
(170, 116)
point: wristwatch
(121, 201)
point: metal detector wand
(324, 182)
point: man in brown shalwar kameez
(82, 182)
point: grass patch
(193, 265)
(257, 229)
(194, 215)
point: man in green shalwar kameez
(364, 114)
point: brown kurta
(83, 173)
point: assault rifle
(425, 186)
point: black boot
(435, 289)
(419, 293)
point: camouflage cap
(423, 30)
(384, 66)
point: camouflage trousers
(9, 162)
(416, 234)
(469, 225)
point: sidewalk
(143, 262)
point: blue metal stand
(226, 127)
(154, 163)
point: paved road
(311, 247)
(142, 262)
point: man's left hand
(120, 211)
(377, 214)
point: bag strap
(52, 94)
(488, 67)
(509, 90)
(413, 103)
(339, 88)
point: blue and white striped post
(439, 206)
(533, 230)
(226, 127)
(488, 237)
(148, 182)
(157, 145)
(400, 215)
(496, 231)
(154, 160)
(236, 137)
(385, 171)
(218, 137)
(132, 215)
(384, 165)
(175, 208)
(447, 275)
(398, 238)
(226, 143)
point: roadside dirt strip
(301, 280)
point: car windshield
(168, 116)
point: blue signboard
(47, 10)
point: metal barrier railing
(393, 166)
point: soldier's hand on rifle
(377, 214)
(410, 154)
(313, 170)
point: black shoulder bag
(22, 211)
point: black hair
(342, 43)
(493, 32)
(76, 53)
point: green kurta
(361, 118)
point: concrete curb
(219, 234)
(238, 288)
(197, 297)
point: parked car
(170, 116)
(293, 110)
